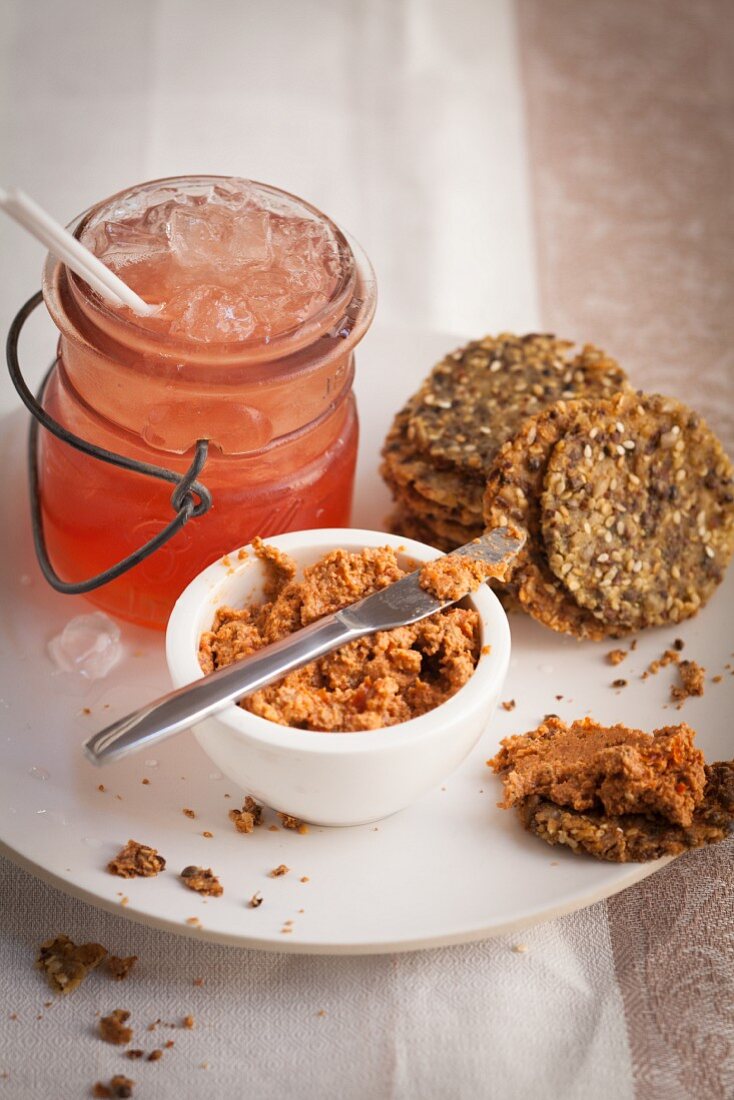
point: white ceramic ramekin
(334, 778)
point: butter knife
(400, 604)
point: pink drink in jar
(261, 303)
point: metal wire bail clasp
(189, 498)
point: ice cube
(88, 644)
(207, 313)
(132, 241)
(213, 237)
(250, 237)
(195, 235)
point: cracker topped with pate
(617, 794)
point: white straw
(66, 247)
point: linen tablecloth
(564, 163)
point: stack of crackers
(627, 499)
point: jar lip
(357, 278)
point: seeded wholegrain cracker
(443, 441)
(512, 496)
(637, 511)
(477, 397)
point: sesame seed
(629, 444)
(710, 551)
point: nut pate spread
(380, 680)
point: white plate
(450, 869)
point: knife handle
(191, 703)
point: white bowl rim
(184, 666)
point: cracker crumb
(119, 968)
(616, 656)
(136, 860)
(520, 948)
(112, 1028)
(194, 922)
(207, 834)
(119, 1088)
(290, 822)
(678, 644)
(188, 1022)
(86, 710)
(198, 981)
(273, 829)
(249, 817)
(255, 901)
(202, 880)
(102, 788)
(321, 1012)
(187, 812)
(67, 965)
(716, 679)
(169, 1043)
(134, 1054)
(692, 677)
(619, 683)
(669, 657)
(145, 782)
(124, 900)
(509, 704)
(155, 1055)
(304, 878)
(278, 871)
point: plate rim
(473, 934)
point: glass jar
(279, 415)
